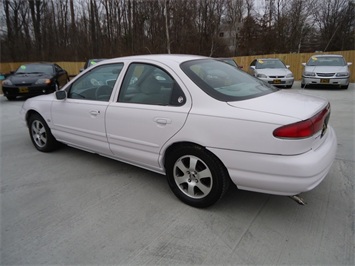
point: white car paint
(277, 76)
(239, 133)
(335, 75)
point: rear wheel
(41, 135)
(196, 176)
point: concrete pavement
(70, 207)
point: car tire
(201, 183)
(345, 87)
(303, 86)
(41, 135)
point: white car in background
(272, 71)
(326, 70)
(201, 122)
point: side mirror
(61, 95)
(349, 63)
(252, 67)
(303, 64)
(287, 66)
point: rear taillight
(305, 128)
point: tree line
(75, 30)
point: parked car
(34, 79)
(327, 69)
(272, 71)
(229, 60)
(201, 122)
(91, 62)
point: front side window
(149, 84)
(96, 84)
(223, 81)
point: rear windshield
(223, 81)
(326, 61)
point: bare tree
(330, 17)
(81, 29)
(36, 11)
(166, 13)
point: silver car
(272, 71)
(326, 70)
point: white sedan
(326, 70)
(272, 71)
(201, 122)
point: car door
(150, 109)
(62, 75)
(251, 69)
(79, 120)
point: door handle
(94, 113)
(162, 120)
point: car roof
(327, 55)
(265, 59)
(176, 58)
(96, 59)
(222, 58)
(39, 63)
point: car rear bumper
(280, 175)
(325, 81)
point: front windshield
(34, 69)
(223, 81)
(326, 61)
(262, 64)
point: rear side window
(225, 82)
(149, 84)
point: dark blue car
(34, 79)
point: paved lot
(72, 207)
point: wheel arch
(29, 114)
(176, 145)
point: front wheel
(196, 176)
(40, 134)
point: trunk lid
(289, 104)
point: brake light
(305, 128)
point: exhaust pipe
(298, 199)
